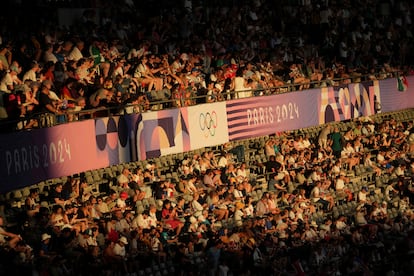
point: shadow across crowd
(300, 203)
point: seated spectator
(350, 156)
(169, 216)
(370, 165)
(8, 239)
(262, 206)
(341, 189)
(298, 77)
(31, 202)
(362, 195)
(56, 196)
(317, 197)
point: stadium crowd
(336, 203)
(189, 54)
(327, 206)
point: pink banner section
(397, 94)
(30, 157)
(208, 125)
(258, 116)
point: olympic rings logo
(208, 123)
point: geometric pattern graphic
(161, 133)
(112, 139)
(344, 102)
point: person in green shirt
(336, 141)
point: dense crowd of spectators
(195, 52)
(319, 212)
(314, 215)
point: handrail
(48, 119)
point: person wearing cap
(45, 247)
(120, 253)
(362, 195)
(121, 202)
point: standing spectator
(336, 142)
(239, 85)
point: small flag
(402, 83)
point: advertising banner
(162, 133)
(397, 93)
(207, 125)
(259, 116)
(349, 101)
(32, 156)
(112, 138)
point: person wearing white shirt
(119, 247)
(31, 73)
(143, 221)
(238, 193)
(224, 160)
(242, 172)
(76, 53)
(362, 195)
(153, 214)
(240, 85)
(49, 55)
(196, 206)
